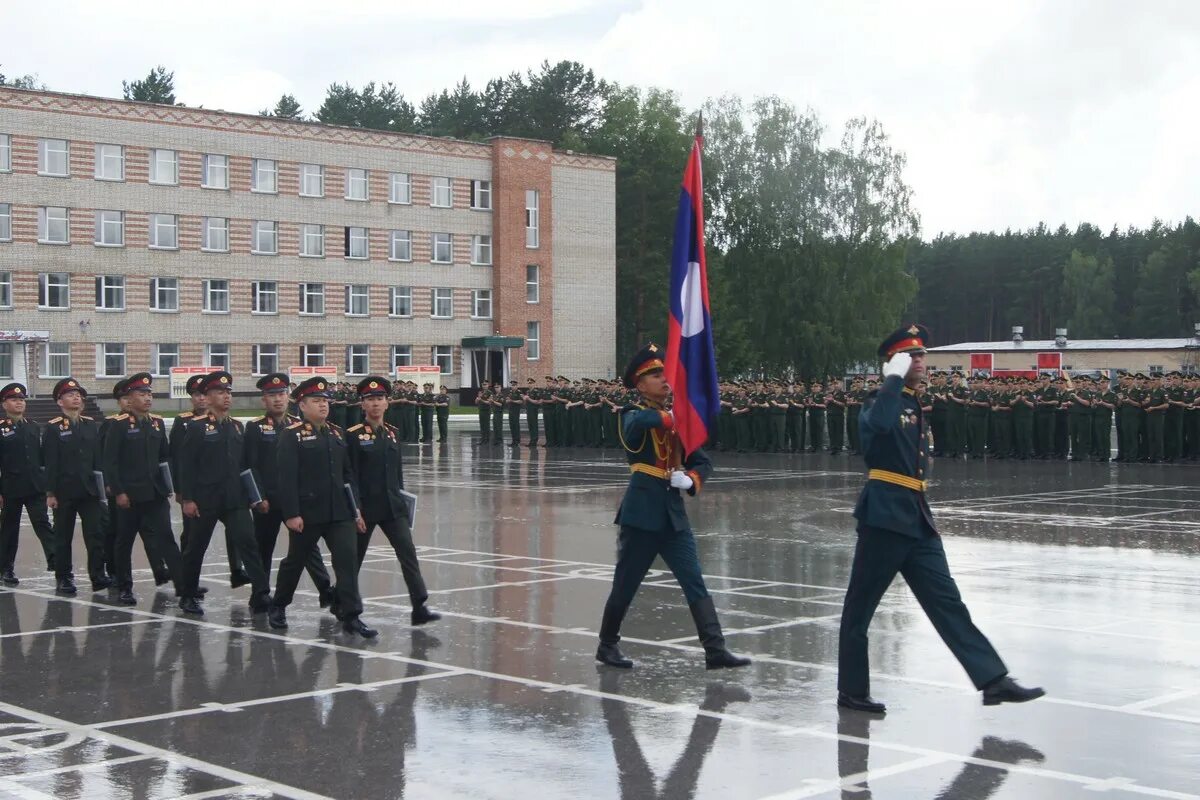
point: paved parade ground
(1085, 577)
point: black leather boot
(610, 633)
(127, 598)
(260, 602)
(277, 617)
(188, 605)
(708, 628)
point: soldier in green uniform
(1156, 406)
(1129, 412)
(977, 417)
(1023, 404)
(1001, 420)
(938, 391)
(777, 407)
(1062, 437)
(835, 417)
(533, 410)
(499, 400)
(1043, 418)
(1192, 419)
(1173, 426)
(817, 403)
(484, 407)
(426, 403)
(742, 420)
(728, 437)
(956, 415)
(1079, 418)
(441, 406)
(1104, 405)
(853, 407)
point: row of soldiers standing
(581, 413)
(411, 411)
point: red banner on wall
(981, 361)
(1049, 360)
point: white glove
(681, 481)
(898, 365)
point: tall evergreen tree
(157, 87)
(288, 107)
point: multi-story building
(136, 236)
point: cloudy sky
(1010, 113)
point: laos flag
(691, 366)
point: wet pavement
(1085, 577)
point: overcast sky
(1010, 113)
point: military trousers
(816, 430)
(426, 424)
(793, 437)
(266, 533)
(1155, 431)
(977, 425)
(636, 550)
(231, 550)
(1129, 434)
(239, 537)
(10, 527)
(937, 423)
(497, 424)
(1023, 433)
(778, 425)
(1002, 436)
(1173, 434)
(1081, 434)
(1102, 434)
(1062, 437)
(343, 552)
(762, 430)
(443, 422)
(1043, 433)
(879, 556)
(152, 520)
(87, 510)
(956, 431)
(514, 424)
(485, 424)
(852, 432)
(837, 431)
(744, 437)
(399, 536)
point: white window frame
(206, 229)
(358, 294)
(218, 355)
(264, 176)
(358, 178)
(533, 201)
(48, 359)
(5, 152)
(5, 222)
(58, 149)
(533, 288)
(443, 186)
(397, 294)
(105, 224)
(215, 174)
(440, 351)
(358, 351)
(45, 219)
(481, 299)
(105, 157)
(481, 249)
(533, 340)
(212, 291)
(481, 195)
(160, 292)
(264, 298)
(44, 286)
(312, 355)
(6, 289)
(352, 238)
(436, 296)
(265, 240)
(400, 188)
(312, 241)
(164, 350)
(434, 244)
(6, 360)
(400, 239)
(102, 355)
(164, 161)
(312, 294)
(401, 356)
(258, 353)
(160, 224)
(311, 172)
(110, 285)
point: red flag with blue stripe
(691, 366)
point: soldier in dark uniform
(484, 406)
(938, 395)
(853, 408)
(514, 401)
(1104, 405)
(835, 417)
(896, 534)
(441, 406)
(71, 452)
(1022, 416)
(741, 420)
(499, 402)
(1173, 427)
(533, 407)
(1156, 405)
(22, 482)
(979, 405)
(259, 455)
(426, 403)
(375, 458)
(136, 469)
(956, 416)
(314, 473)
(652, 516)
(817, 403)
(1079, 419)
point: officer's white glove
(899, 364)
(681, 481)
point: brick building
(136, 236)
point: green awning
(492, 342)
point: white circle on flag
(691, 300)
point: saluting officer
(212, 491)
(896, 534)
(136, 469)
(652, 516)
(22, 483)
(375, 456)
(314, 473)
(71, 451)
(259, 456)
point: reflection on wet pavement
(1083, 575)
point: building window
(356, 184)
(6, 289)
(401, 302)
(215, 235)
(312, 180)
(265, 358)
(358, 359)
(217, 355)
(216, 172)
(312, 298)
(264, 297)
(110, 292)
(401, 249)
(533, 283)
(442, 303)
(481, 250)
(165, 357)
(481, 303)
(531, 218)
(54, 290)
(401, 356)
(5, 222)
(533, 341)
(216, 296)
(53, 225)
(164, 167)
(481, 195)
(443, 248)
(164, 231)
(5, 153)
(53, 157)
(264, 176)
(443, 358)
(164, 294)
(401, 188)
(6, 360)
(441, 196)
(56, 359)
(110, 228)
(358, 302)
(266, 238)
(1155, 369)
(356, 243)
(312, 355)
(110, 359)
(110, 162)
(312, 241)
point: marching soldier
(71, 451)
(212, 490)
(318, 498)
(22, 483)
(652, 516)
(896, 534)
(441, 405)
(375, 458)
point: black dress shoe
(421, 615)
(126, 598)
(101, 583)
(9, 579)
(358, 627)
(65, 587)
(1006, 690)
(277, 617)
(867, 703)
(611, 655)
(238, 578)
(328, 595)
(161, 579)
(188, 605)
(260, 602)
(203, 590)
(723, 659)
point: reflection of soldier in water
(636, 779)
(976, 781)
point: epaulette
(112, 416)
(89, 419)
(120, 416)
(390, 427)
(294, 425)
(333, 427)
(54, 421)
(353, 428)
(186, 414)
(292, 418)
